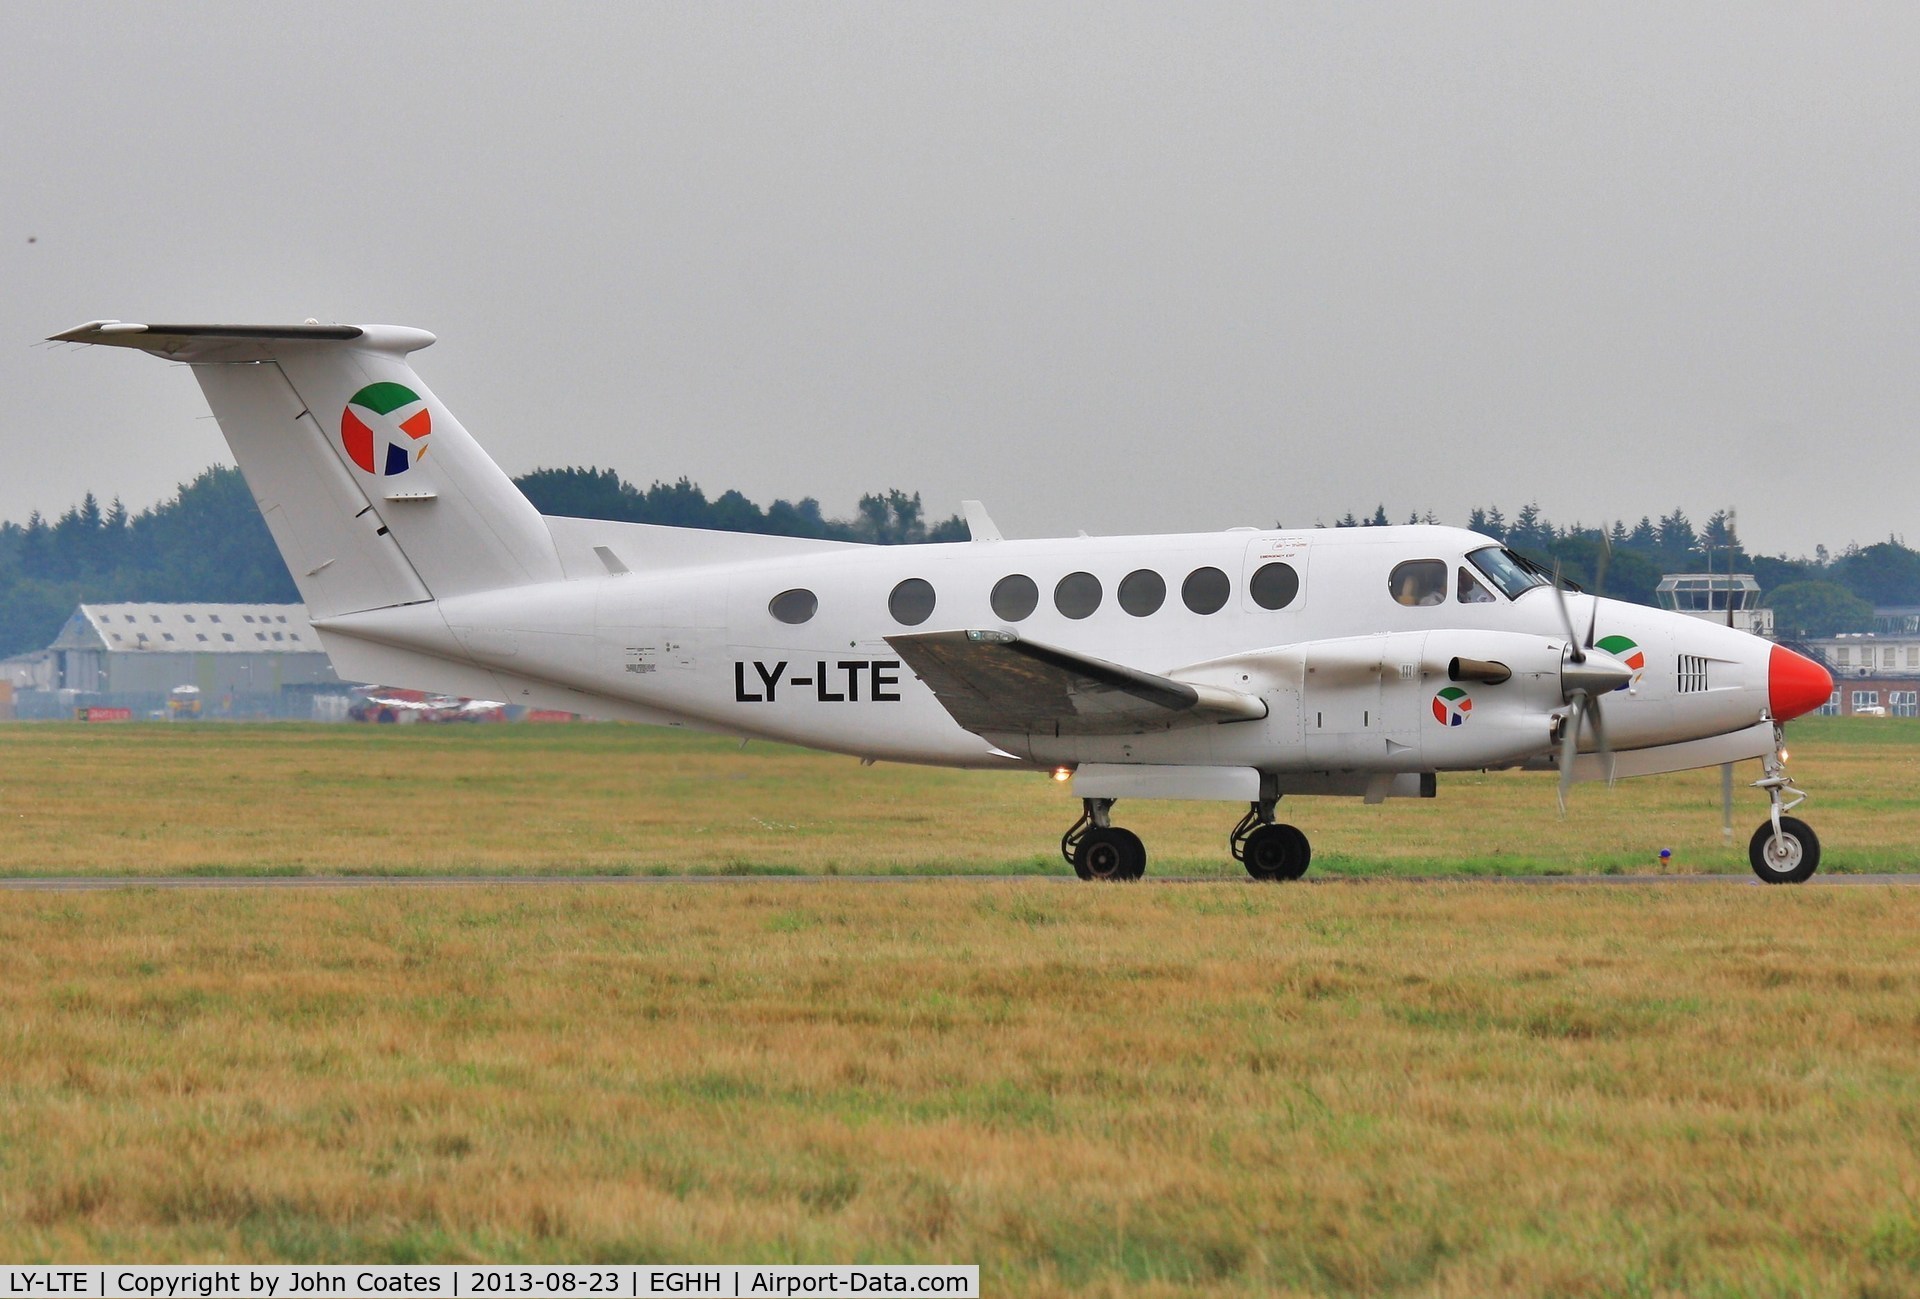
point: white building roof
(191, 629)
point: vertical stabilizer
(373, 491)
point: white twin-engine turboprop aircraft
(1242, 665)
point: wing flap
(994, 682)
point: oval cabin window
(1274, 585)
(1015, 596)
(795, 606)
(1142, 592)
(1077, 595)
(911, 602)
(1206, 590)
(1418, 582)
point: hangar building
(248, 660)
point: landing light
(1063, 773)
(1783, 755)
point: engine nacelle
(1453, 699)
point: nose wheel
(1784, 850)
(1097, 849)
(1789, 855)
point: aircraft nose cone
(1795, 684)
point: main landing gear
(1268, 850)
(1784, 849)
(1097, 849)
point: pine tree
(1676, 533)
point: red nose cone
(1795, 684)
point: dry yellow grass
(157, 799)
(1454, 1089)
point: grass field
(1452, 1089)
(1455, 1088)
(283, 799)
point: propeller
(1586, 673)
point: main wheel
(1109, 854)
(1790, 859)
(1276, 852)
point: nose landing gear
(1784, 850)
(1097, 849)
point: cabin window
(1274, 585)
(1077, 595)
(1142, 592)
(911, 602)
(1015, 597)
(1206, 590)
(795, 606)
(1472, 591)
(1419, 582)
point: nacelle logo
(1451, 706)
(1629, 653)
(384, 428)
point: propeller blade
(1570, 745)
(1600, 565)
(1574, 648)
(1599, 585)
(1600, 737)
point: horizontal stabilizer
(237, 342)
(994, 682)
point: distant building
(1731, 599)
(1897, 620)
(247, 660)
(32, 671)
(1872, 674)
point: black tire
(1798, 858)
(1276, 852)
(1111, 854)
(1264, 852)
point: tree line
(1815, 596)
(208, 543)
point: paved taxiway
(92, 883)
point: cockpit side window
(1419, 582)
(1508, 571)
(1471, 590)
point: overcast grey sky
(1109, 267)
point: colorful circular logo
(1451, 706)
(384, 428)
(1629, 653)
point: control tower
(1729, 598)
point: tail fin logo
(384, 428)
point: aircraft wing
(992, 681)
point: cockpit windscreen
(1508, 571)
